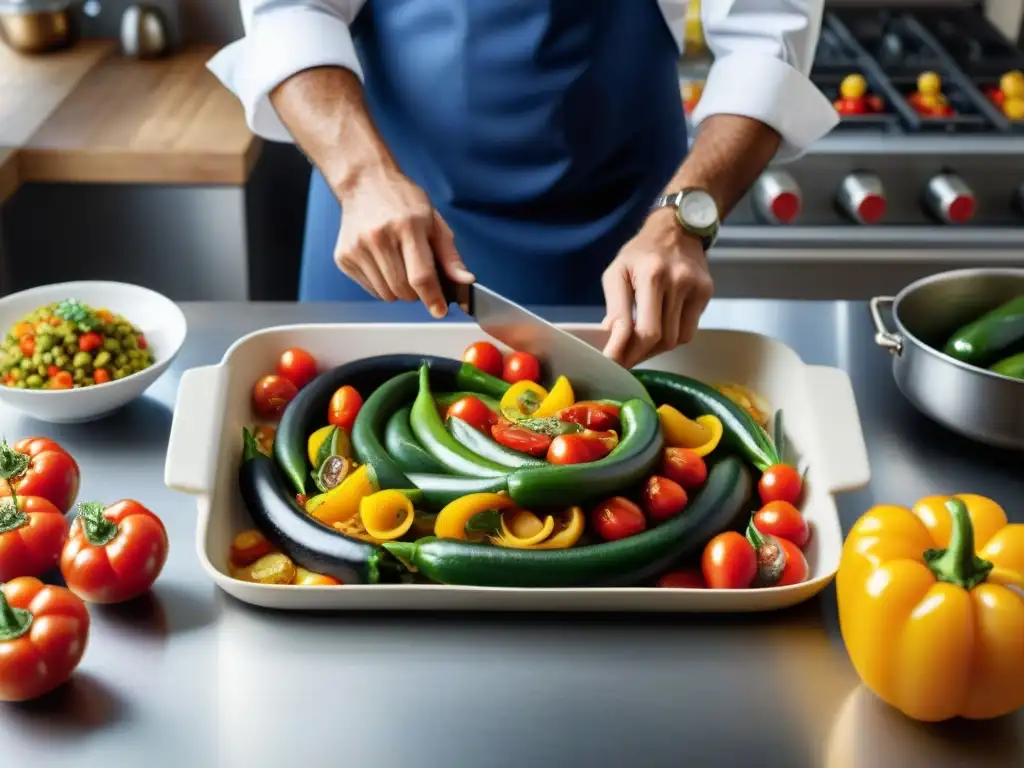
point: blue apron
(541, 130)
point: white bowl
(159, 319)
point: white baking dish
(214, 404)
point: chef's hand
(392, 241)
(664, 274)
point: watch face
(698, 210)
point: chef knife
(593, 376)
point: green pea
(45, 342)
(60, 360)
(48, 358)
(121, 360)
(37, 357)
(20, 384)
(34, 381)
(87, 382)
(119, 373)
(16, 355)
(78, 375)
(81, 359)
(111, 345)
(27, 364)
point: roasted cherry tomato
(520, 439)
(271, 394)
(113, 554)
(248, 547)
(521, 366)
(592, 415)
(472, 411)
(581, 447)
(344, 407)
(686, 579)
(663, 498)
(780, 482)
(685, 467)
(43, 634)
(618, 518)
(796, 570)
(486, 357)
(31, 536)
(51, 473)
(298, 366)
(782, 520)
(729, 562)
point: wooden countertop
(91, 115)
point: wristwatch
(696, 213)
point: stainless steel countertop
(190, 677)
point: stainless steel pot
(973, 402)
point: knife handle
(459, 294)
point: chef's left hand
(663, 273)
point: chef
(538, 146)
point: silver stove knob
(862, 196)
(776, 197)
(949, 198)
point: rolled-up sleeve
(283, 38)
(763, 51)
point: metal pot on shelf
(38, 26)
(976, 403)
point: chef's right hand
(392, 241)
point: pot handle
(198, 411)
(884, 338)
(844, 454)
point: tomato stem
(14, 622)
(12, 466)
(957, 563)
(98, 529)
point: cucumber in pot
(1012, 366)
(400, 443)
(992, 336)
(490, 449)
(625, 562)
(441, 490)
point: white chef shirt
(763, 51)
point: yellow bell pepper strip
(386, 515)
(931, 608)
(451, 521)
(522, 399)
(701, 435)
(570, 533)
(342, 503)
(521, 529)
(561, 396)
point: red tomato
(663, 498)
(688, 579)
(485, 356)
(28, 345)
(344, 407)
(796, 570)
(31, 537)
(113, 554)
(521, 366)
(43, 634)
(780, 482)
(618, 518)
(685, 467)
(519, 438)
(100, 375)
(581, 448)
(782, 520)
(298, 366)
(62, 380)
(89, 341)
(271, 394)
(729, 562)
(472, 411)
(51, 474)
(592, 415)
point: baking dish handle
(844, 463)
(190, 451)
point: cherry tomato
(31, 536)
(618, 518)
(89, 341)
(472, 411)
(298, 366)
(344, 407)
(663, 498)
(780, 482)
(100, 375)
(28, 345)
(592, 415)
(687, 579)
(581, 448)
(51, 474)
(62, 380)
(271, 394)
(485, 356)
(113, 554)
(729, 562)
(796, 571)
(782, 520)
(43, 634)
(685, 467)
(519, 438)
(521, 366)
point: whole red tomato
(32, 532)
(581, 447)
(618, 518)
(780, 482)
(271, 394)
(592, 414)
(474, 412)
(521, 366)
(729, 562)
(113, 554)
(344, 407)
(298, 366)
(782, 520)
(686, 579)
(485, 356)
(663, 498)
(519, 438)
(796, 570)
(51, 473)
(43, 634)
(780, 562)
(685, 467)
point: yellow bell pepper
(521, 529)
(451, 521)
(522, 399)
(566, 536)
(561, 396)
(342, 503)
(316, 441)
(386, 515)
(702, 435)
(930, 608)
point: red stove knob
(777, 197)
(862, 196)
(950, 198)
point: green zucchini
(471, 378)
(693, 399)
(626, 562)
(636, 455)
(992, 336)
(370, 423)
(400, 444)
(486, 447)
(440, 490)
(1012, 366)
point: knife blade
(592, 375)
